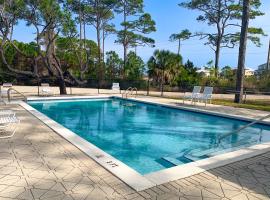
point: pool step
(212, 152)
(227, 150)
(201, 153)
(174, 161)
(177, 161)
(164, 163)
(195, 158)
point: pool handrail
(126, 91)
(130, 91)
(10, 96)
(136, 90)
(242, 128)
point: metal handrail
(12, 89)
(130, 91)
(134, 89)
(242, 128)
(126, 92)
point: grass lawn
(250, 104)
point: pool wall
(130, 176)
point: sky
(170, 18)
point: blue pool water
(149, 138)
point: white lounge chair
(7, 113)
(116, 87)
(46, 90)
(195, 93)
(206, 96)
(8, 121)
(4, 89)
(2, 100)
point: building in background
(261, 69)
(249, 72)
(204, 72)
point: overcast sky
(170, 18)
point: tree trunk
(84, 34)
(179, 46)
(99, 51)
(103, 45)
(268, 59)
(242, 53)
(125, 60)
(162, 83)
(80, 53)
(125, 40)
(217, 56)
(62, 86)
(50, 45)
(219, 40)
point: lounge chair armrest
(197, 94)
(208, 96)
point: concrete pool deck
(38, 164)
(33, 91)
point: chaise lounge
(195, 93)
(8, 120)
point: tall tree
(268, 58)
(79, 8)
(107, 30)
(134, 30)
(50, 19)
(242, 52)
(183, 35)
(223, 15)
(98, 13)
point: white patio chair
(195, 93)
(206, 96)
(6, 123)
(4, 89)
(116, 87)
(46, 90)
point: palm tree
(242, 52)
(164, 66)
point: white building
(249, 72)
(204, 72)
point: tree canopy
(224, 16)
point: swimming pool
(149, 138)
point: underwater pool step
(174, 161)
(199, 154)
(194, 158)
(213, 152)
(177, 161)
